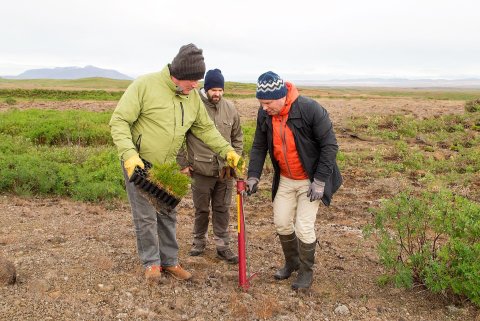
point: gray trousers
(155, 231)
(208, 190)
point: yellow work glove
(235, 161)
(131, 163)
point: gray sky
(297, 39)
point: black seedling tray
(139, 178)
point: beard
(214, 99)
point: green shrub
(83, 173)
(10, 101)
(472, 106)
(433, 239)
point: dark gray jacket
(315, 141)
(197, 154)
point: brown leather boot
(177, 272)
(153, 274)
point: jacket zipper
(181, 106)
(284, 144)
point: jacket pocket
(225, 128)
(203, 164)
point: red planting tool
(243, 280)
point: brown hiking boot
(153, 274)
(228, 256)
(178, 272)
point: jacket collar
(165, 74)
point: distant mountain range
(70, 73)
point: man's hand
(252, 185)
(235, 161)
(187, 171)
(316, 189)
(131, 163)
(227, 172)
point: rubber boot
(305, 273)
(290, 251)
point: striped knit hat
(270, 86)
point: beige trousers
(293, 211)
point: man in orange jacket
(299, 136)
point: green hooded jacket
(152, 119)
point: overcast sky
(297, 39)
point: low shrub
(10, 101)
(431, 239)
(83, 173)
(472, 106)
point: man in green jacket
(150, 123)
(205, 166)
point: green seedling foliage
(240, 165)
(51, 127)
(431, 238)
(169, 178)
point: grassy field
(111, 89)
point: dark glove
(316, 189)
(252, 185)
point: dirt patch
(78, 261)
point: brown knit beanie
(188, 64)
